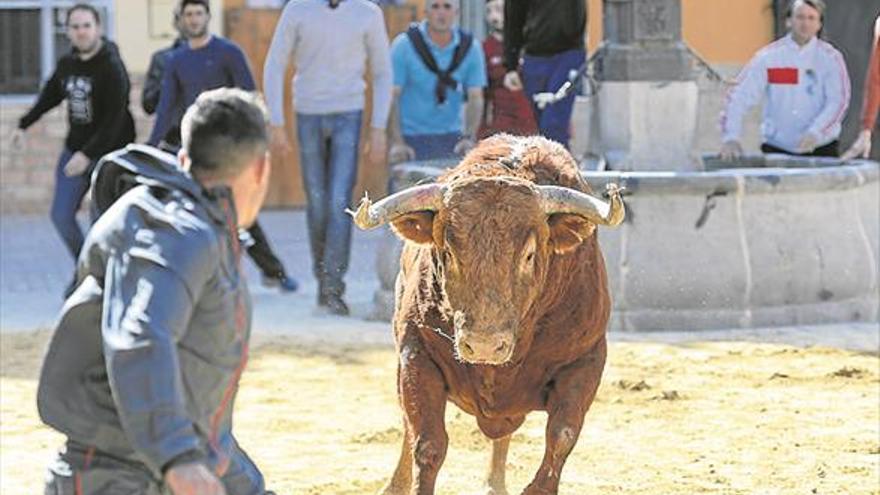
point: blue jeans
(433, 146)
(328, 150)
(548, 74)
(68, 196)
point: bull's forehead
(495, 215)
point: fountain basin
(765, 241)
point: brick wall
(27, 176)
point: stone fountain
(767, 240)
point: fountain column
(647, 104)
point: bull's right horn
(556, 199)
(369, 215)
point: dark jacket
(153, 82)
(96, 91)
(542, 28)
(145, 360)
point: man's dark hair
(86, 7)
(223, 131)
(204, 3)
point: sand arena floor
(725, 418)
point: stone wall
(27, 175)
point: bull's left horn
(369, 215)
(556, 199)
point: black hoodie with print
(96, 91)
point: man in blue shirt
(426, 114)
(203, 63)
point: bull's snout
(488, 348)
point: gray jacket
(145, 360)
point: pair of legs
(828, 150)
(548, 74)
(328, 147)
(422, 394)
(82, 470)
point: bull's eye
(530, 257)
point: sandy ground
(713, 417)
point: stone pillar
(648, 100)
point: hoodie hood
(138, 164)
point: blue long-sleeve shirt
(219, 64)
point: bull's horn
(556, 199)
(369, 215)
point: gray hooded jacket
(145, 360)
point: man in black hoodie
(93, 80)
(549, 34)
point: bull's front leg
(423, 398)
(573, 391)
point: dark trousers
(82, 470)
(261, 252)
(66, 200)
(828, 150)
(547, 75)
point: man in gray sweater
(330, 42)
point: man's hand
(17, 139)
(77, 164)
(193, 479)
(861, 148)
(279, 139)
(400, 152)
(376, 146)
(464, 145)
(807, 144)
(731, 150)
(512, 81)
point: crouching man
(143, 367)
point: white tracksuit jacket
(807, 90)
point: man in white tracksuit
(807, 91)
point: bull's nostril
(501, 347)
(467, 348)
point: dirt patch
(674, 419)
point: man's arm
(277, 59)
(379, 58)
(242, 76)
(744, 94)
(147, 309)
(400, 151)
(153, 82)
(837, 93)
(167, 99)
(475, 79)
(51, 95)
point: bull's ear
(417, 227)
(568, 230)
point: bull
(501, 304)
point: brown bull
(501, 304)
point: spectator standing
(94, 81)
(549, 35)
(330, 43)
(505, 110)
(437, 67)
(871, 104)
(203, 63)
(806, 87)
